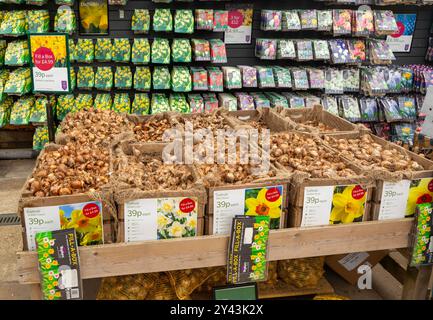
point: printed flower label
(265, 201)
(161, 218)
(333, 205)
(399, 199)
(85, 218)
(240, 25)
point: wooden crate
(268, 119)
(383, 177)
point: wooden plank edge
(209, 251)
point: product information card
(264, 201)
(161, 218)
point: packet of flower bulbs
(121, 103)
(228, 101)
(244, 101)
(321, 50)
(141, 104)
(64, 21)
(260, 100)
(204, 19)
(14, 23)
(369, 109)
(294, 101)
(266, 49)
(357, 50)
(39, 113)
(85, 50)
(102, 101)
(85, 78)
(421, 241)
(286, 49)
(4, 77)
(201, 49)
(5, 111)
(350, 108)
(282, 77)
(215, 79)
(304, 50)
(3, 46)
(199, 78)
(363, 23)
(330, 104)
(290, 21)
(351, 77)
(334, 81)
(160, 51)
(271, 20)
(181, 79)
(342, 22)
(217, 51)
(232, 78)
(19, 82)
(140, 21)
(104, 78)
(159, 103)
(339, 51)
(384, 22)
(277, 100)
(308, 19)
(123, 77)
(324, 20)
(83, 101)
(181, 50)
(184, 21)
(21, 110)
(316, 78)
(248, 249)
(407, 107)
(220, 20)
(196, 103)
(249, 76)
(142, 79)
(59, 264)
(40, 138)
(17, 53)
(38, 21)
(72, 50)
(121, 50)
(210, 102)
(265, 77)
(161, 78)
(140, 51)
(178, 103)
(103, 48)
(162, 20)
(65, 104)
(299, 79)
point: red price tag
(187, 205)
(236, 18)
(44, 59)
(272, 195)
(91, 210)
(358, 192)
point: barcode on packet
(75, 293)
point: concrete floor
(13, 174)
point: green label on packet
(59, 265)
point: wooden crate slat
(208, 251)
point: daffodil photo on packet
(173, 222)
(266, 201)
(348, 204)
(421, 191)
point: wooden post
(416, 283)
(35, 292)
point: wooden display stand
(209, 251)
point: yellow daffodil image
(423, 193)
(83, 224)
(162, 221)
(262, 207)
(167, 207)
(191, 223)
(345, 207)
(176, 230)
(93, 236)
(63, 220)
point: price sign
(50, 63)
(140, 220)
(394, 200)
(317, 206)
(38, 220)
(227, 204)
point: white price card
(317, 206)
(141, 220)
(394, 200)
(40, 219)
(226, 205)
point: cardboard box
(346, 265)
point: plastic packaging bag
(210, 102)
(290, 21)
(141, 104)
(232, 78)
(19, 82)
(83, 101)
(4, 77)
(215, 79)
(102, 101)
(3, 46)
(103, 49)
(142, 79)
(245, 101)
(249, 76)
(5, 111)
(199, 78)
(140, 51)
(40, 138)
(72, 51)
(123, 77)
(228, 101)
(121, 50)
(266, 49)
(181, 50)
(39, 113)
(204, 19)
(178, 103)
(201, 49)
(184, 21)
(162, 20)
(220, 20)
(283, 78)
(140, 21)
(186, 281)
(17, 53)
(160, 51)
(271, 20)
(104, 78)
(130, 287)
(161, 78)
(342, 19)
(181, 79)
(265, 77)
(38, 21)
(85, 78)
(21, 110)
(286, 49)
(14, 23)
(65, 104)
(121, 103)
(196, 103)
(218, 51)
(65, 21)
(159, 103)
(85, 50)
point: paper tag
(227, 204)
(40, 219)
(353, 260)
(317, 206)
(69, 278)
(140, 220)
(394, 199)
